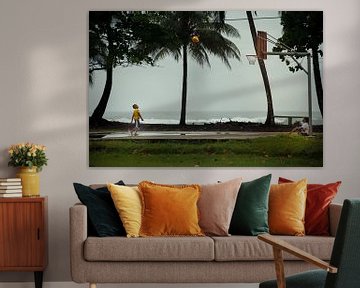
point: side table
(23, 235)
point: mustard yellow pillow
(169, 210)
(287, 204)
(127, 201)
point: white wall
(43, 81)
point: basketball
(195, 39)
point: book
(10, 183)
(9, 195)
(2, 188)
(10, 191)
(10, 180)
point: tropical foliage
(197, 34)
(115, 38)
(303, 32)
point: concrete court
(178, 135)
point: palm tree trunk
(101, 107)
(317, 78)
(184, 88)
(270, 109)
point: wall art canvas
(205, 88)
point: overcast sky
(210, 89)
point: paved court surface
(183, 135)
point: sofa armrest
(334, 217)
(78, 235)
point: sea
(205, 117)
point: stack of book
(10, 187)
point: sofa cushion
(250, 215)
(149, 249)
(102, 215)
(127, 201)
(287, 204)
(169, 210)
(249, 248)
(216, 205)
(318, 199)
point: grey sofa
(234, 259)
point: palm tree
(303, 31)
(270, 109)
(177, 40)
(114, 38)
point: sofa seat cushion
(244, 248)
(149, 249)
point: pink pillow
(216, 206)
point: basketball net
(261, 48)
(251, 58)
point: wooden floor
(74, 285)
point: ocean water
(201, 117)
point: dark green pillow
(250, 216)
(103, 218)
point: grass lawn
(273, 151)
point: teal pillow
(103, 218)
(250, 216)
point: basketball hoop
(251, 58)
(261, 45)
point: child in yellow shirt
(136, 116)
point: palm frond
(177, 28)
(230, 30)
(163, 52)
(224, 28)
(199, 54)
(219, 46)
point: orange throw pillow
(318, 200)
(169, 210)
(287, 204)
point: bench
(289, 118)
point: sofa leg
(92, 285)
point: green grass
(274, 151)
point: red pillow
(319, 197)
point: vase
(30, 181)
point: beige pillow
(216, 206)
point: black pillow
(104, 219)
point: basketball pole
(261, 42)
(309, 93)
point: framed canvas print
(205, 88)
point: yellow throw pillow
(169, 210)
(127, 201)
(287, 204)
